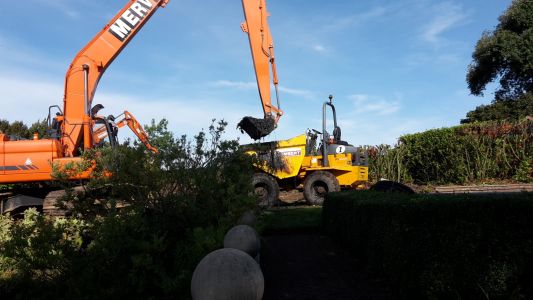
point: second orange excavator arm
(137, 129)
(88, 67)
(103, 131)
(262, 48)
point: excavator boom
(262, 48)
(90, 64)
(75, 127)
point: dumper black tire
(388, 186)
(318, 184)
(266, 188)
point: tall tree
(505, 54)
(18, 129)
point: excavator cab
(54, 124)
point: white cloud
(374, 104)
(27, 100)
(61, 5)
(16, 52)
(319, 48)
(359, 98)
(371, 130)
(339, 24)
(296, 92)
(432, 58)
(236, 84)
(253, 86)
(343, 23)
(447, 16)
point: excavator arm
(88, 67)
(262, 48)
(137, 129)
(107, 129)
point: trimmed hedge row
(460, 154)
(439, 247)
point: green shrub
(37, 250)
(438, 247)
(386, 162)
(462, 154)
(524, 173)
(147, 220)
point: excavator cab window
(54, 124)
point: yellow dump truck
(299, 163)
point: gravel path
(308, 265)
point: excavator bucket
(257, 128)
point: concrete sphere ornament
(227, 274)
(248, 218)
(243, 237)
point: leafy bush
(461, 154)
(439, 247)
(37, 249)
(386, 162)
(148, 220)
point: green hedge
(439, 247)
(461, 154)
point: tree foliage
(19, 130)
(513, 110)
(144, 221)
(505, 54)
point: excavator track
(4, 196)
(44, 200)
(50, 207)
(15, 202)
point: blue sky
(394, 67)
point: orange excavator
(262, 46)
(77, 126)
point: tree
(20, 130)
(505, 54)
(502, 110)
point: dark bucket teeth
(257, 128)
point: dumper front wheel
(317, 185)
(266, 189)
